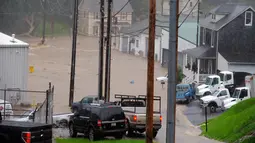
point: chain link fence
(27, 105)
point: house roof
(231, 11)
(238, 57)
(6, 41)
(203, 52)
(94, 6)
(187, 31)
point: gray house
(226, 41)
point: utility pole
(108, 53)
(198, 14)
(44, 21)
(72, 77)
(101, 52)
(172, 70)
(150, 72)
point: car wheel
(72, 131)
(212, 108)
(63, 124)
(92, 136)
(155, 134)
(119, 136)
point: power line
(184, 7)
(188, 14)
(122, 8)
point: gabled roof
(231, 11)
(6, 41)
(94, 6)
(187, 31)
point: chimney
(13, 38)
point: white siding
(222, 63)
(242, 68)
(14, 68)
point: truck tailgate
(141, 118)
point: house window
(137, 43)
(124, 16)
(204, 32)
(95, 30)
(96, 15)
(213, 16)
(248, 18)
(212, 39)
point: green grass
(249, 140)
(59, 29)
(81, 140)
(235, 123)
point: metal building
(13, 68)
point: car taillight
(1, 108)
(26, 137)
(135, 118)
(99, 123)
(160, 118)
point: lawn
(102, 141)
(235, 123)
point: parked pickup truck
(24, 132)
(135, 112)
(185, 92)
(215, 100)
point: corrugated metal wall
(14, 69)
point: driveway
(52, 64)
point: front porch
(198, 64)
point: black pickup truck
(24, 132)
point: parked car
(135, 111)
(61, 120)
(88, 99)
(98, 120)
(215, 100)
(185, 92)
(6, 110)
(24, 132)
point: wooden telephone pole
(150, 73)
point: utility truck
(227, 79)
(242, 93)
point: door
(125, 44)
(244, 95)
(84, 118)
(215, 84)
(146, 46)
(223, 95)
(210, 67)
(165, 58)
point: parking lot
(52, 63)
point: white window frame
(212, 38)
(204, 36)
(214, 16)
(250, 24)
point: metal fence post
(206, 127)
(4, 100)
(47, 105)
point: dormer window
(248, 18)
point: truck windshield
(236, 93)
(182, 88)
(208, 81)
(222, 77)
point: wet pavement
(196, 114)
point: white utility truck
(215, 100)
(227, 79)
(242, 93)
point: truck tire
(72, 131)
(207, 93)
(188, 100)
(212, 107)
(130, 132)
(155, 134)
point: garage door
(165, 57)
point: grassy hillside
(235, 123)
